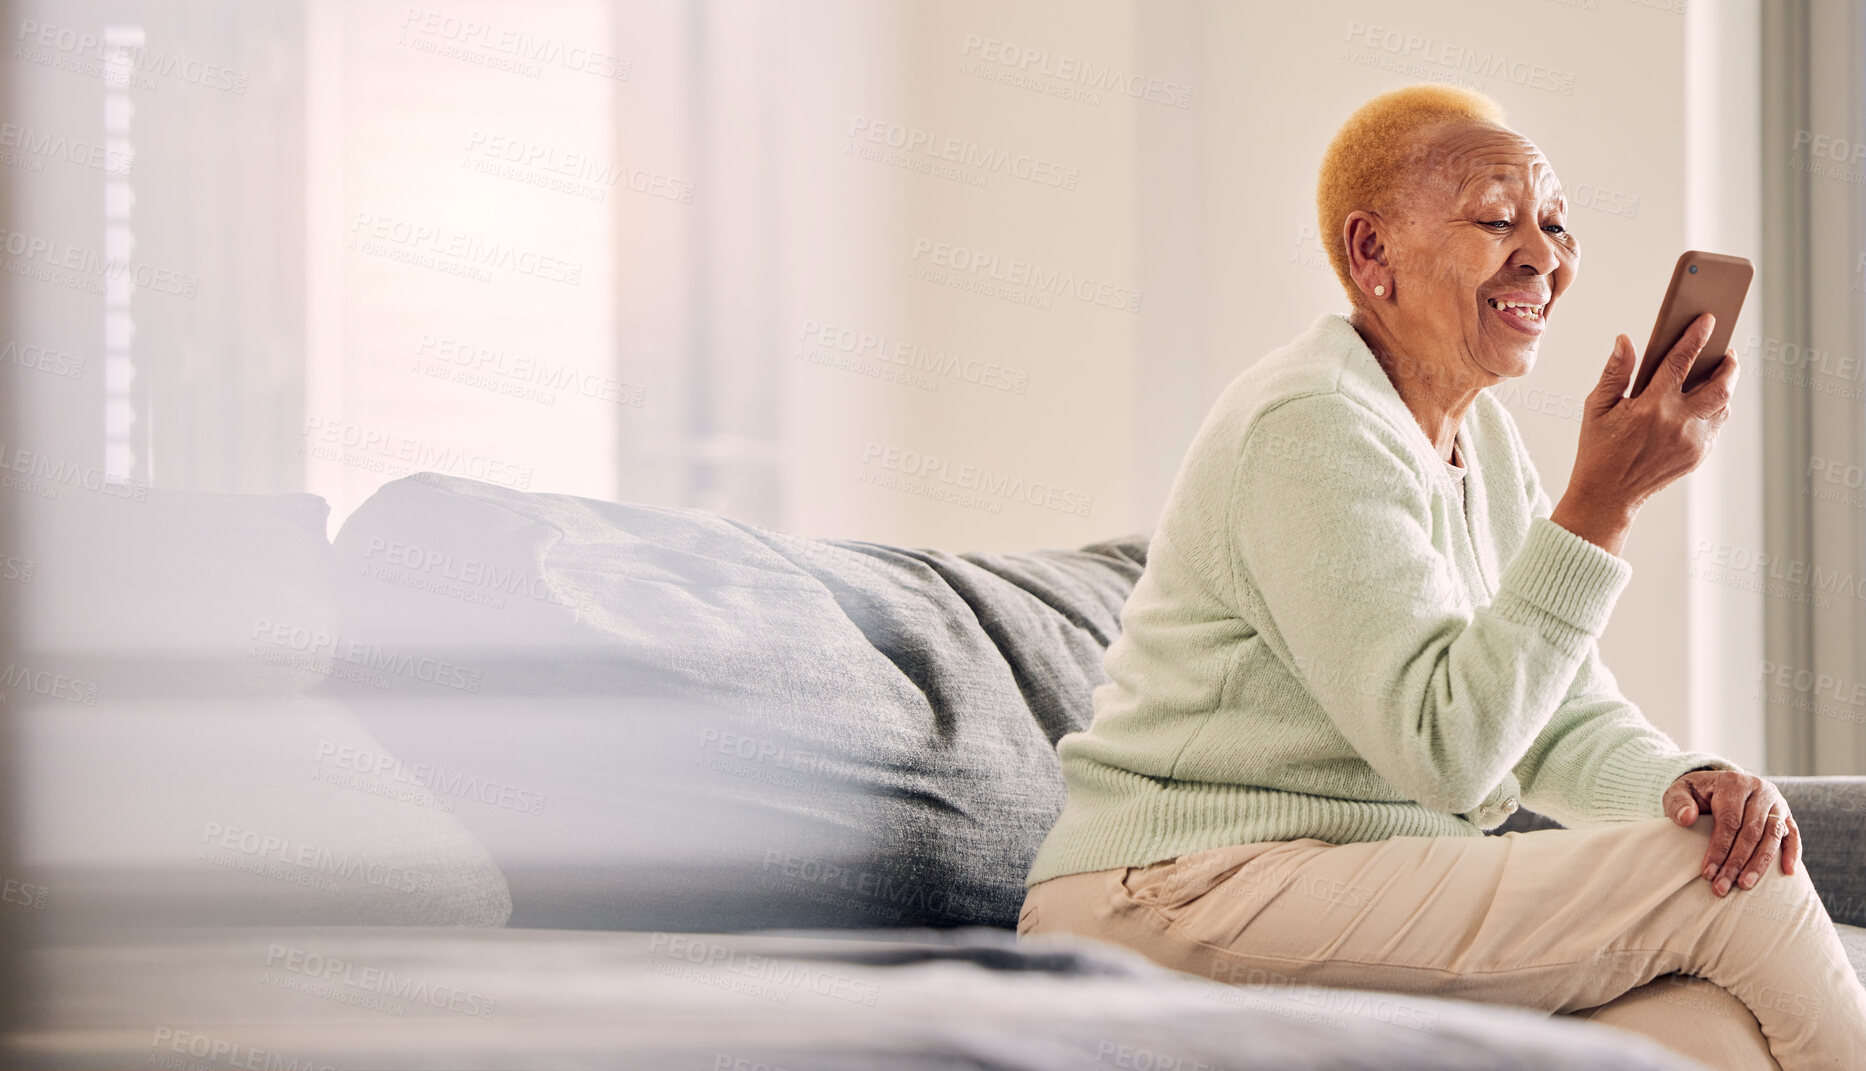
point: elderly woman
(1363, 638)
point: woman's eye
(1499, 224)
(1556, 228)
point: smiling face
(1477, 252)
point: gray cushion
(1831, 813)
(732, 727)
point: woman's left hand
(1753, 825)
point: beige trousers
(1612, 923)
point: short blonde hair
(1376, 150)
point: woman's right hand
(1632, 448)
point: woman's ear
(1361, 233)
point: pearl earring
(1380, 291)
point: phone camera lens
(1693, 269)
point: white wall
(1003, 191)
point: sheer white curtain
(681, 160)
(1808, 362)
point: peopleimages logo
(1451, 56)
(911, 358)
(221, 1050)
(379, 981)
(1785, 677)
(268, 853)
(783, 977)
(531, 371)
(987, 482)
(434, 779)
(1033, 279)
(41, 359)
(88, 269)
(1838, 149)
(24, 139)
(432, 561)
(24, 893)
(399, 455)
(87, 52)
(568, 172)
(529, 52)
(41, 474)
(319, 643)
(874, 889)
(962, 153)
(47, 684)
(422, 244)
(1072, 69)
(1777, 567)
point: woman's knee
(1662, 900)
(1788, 899)
(1774, 925)
(1671, 851)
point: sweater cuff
(1631, 786)
(1565, 577)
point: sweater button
(1510, 805)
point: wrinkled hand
(1752, 827)
(1632, 448)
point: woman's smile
(1520, 310)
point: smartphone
(1702, 282)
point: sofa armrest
(1831, 812)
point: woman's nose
(1539, 254)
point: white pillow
(179, 765)
(237, 811)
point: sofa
(497, 778)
